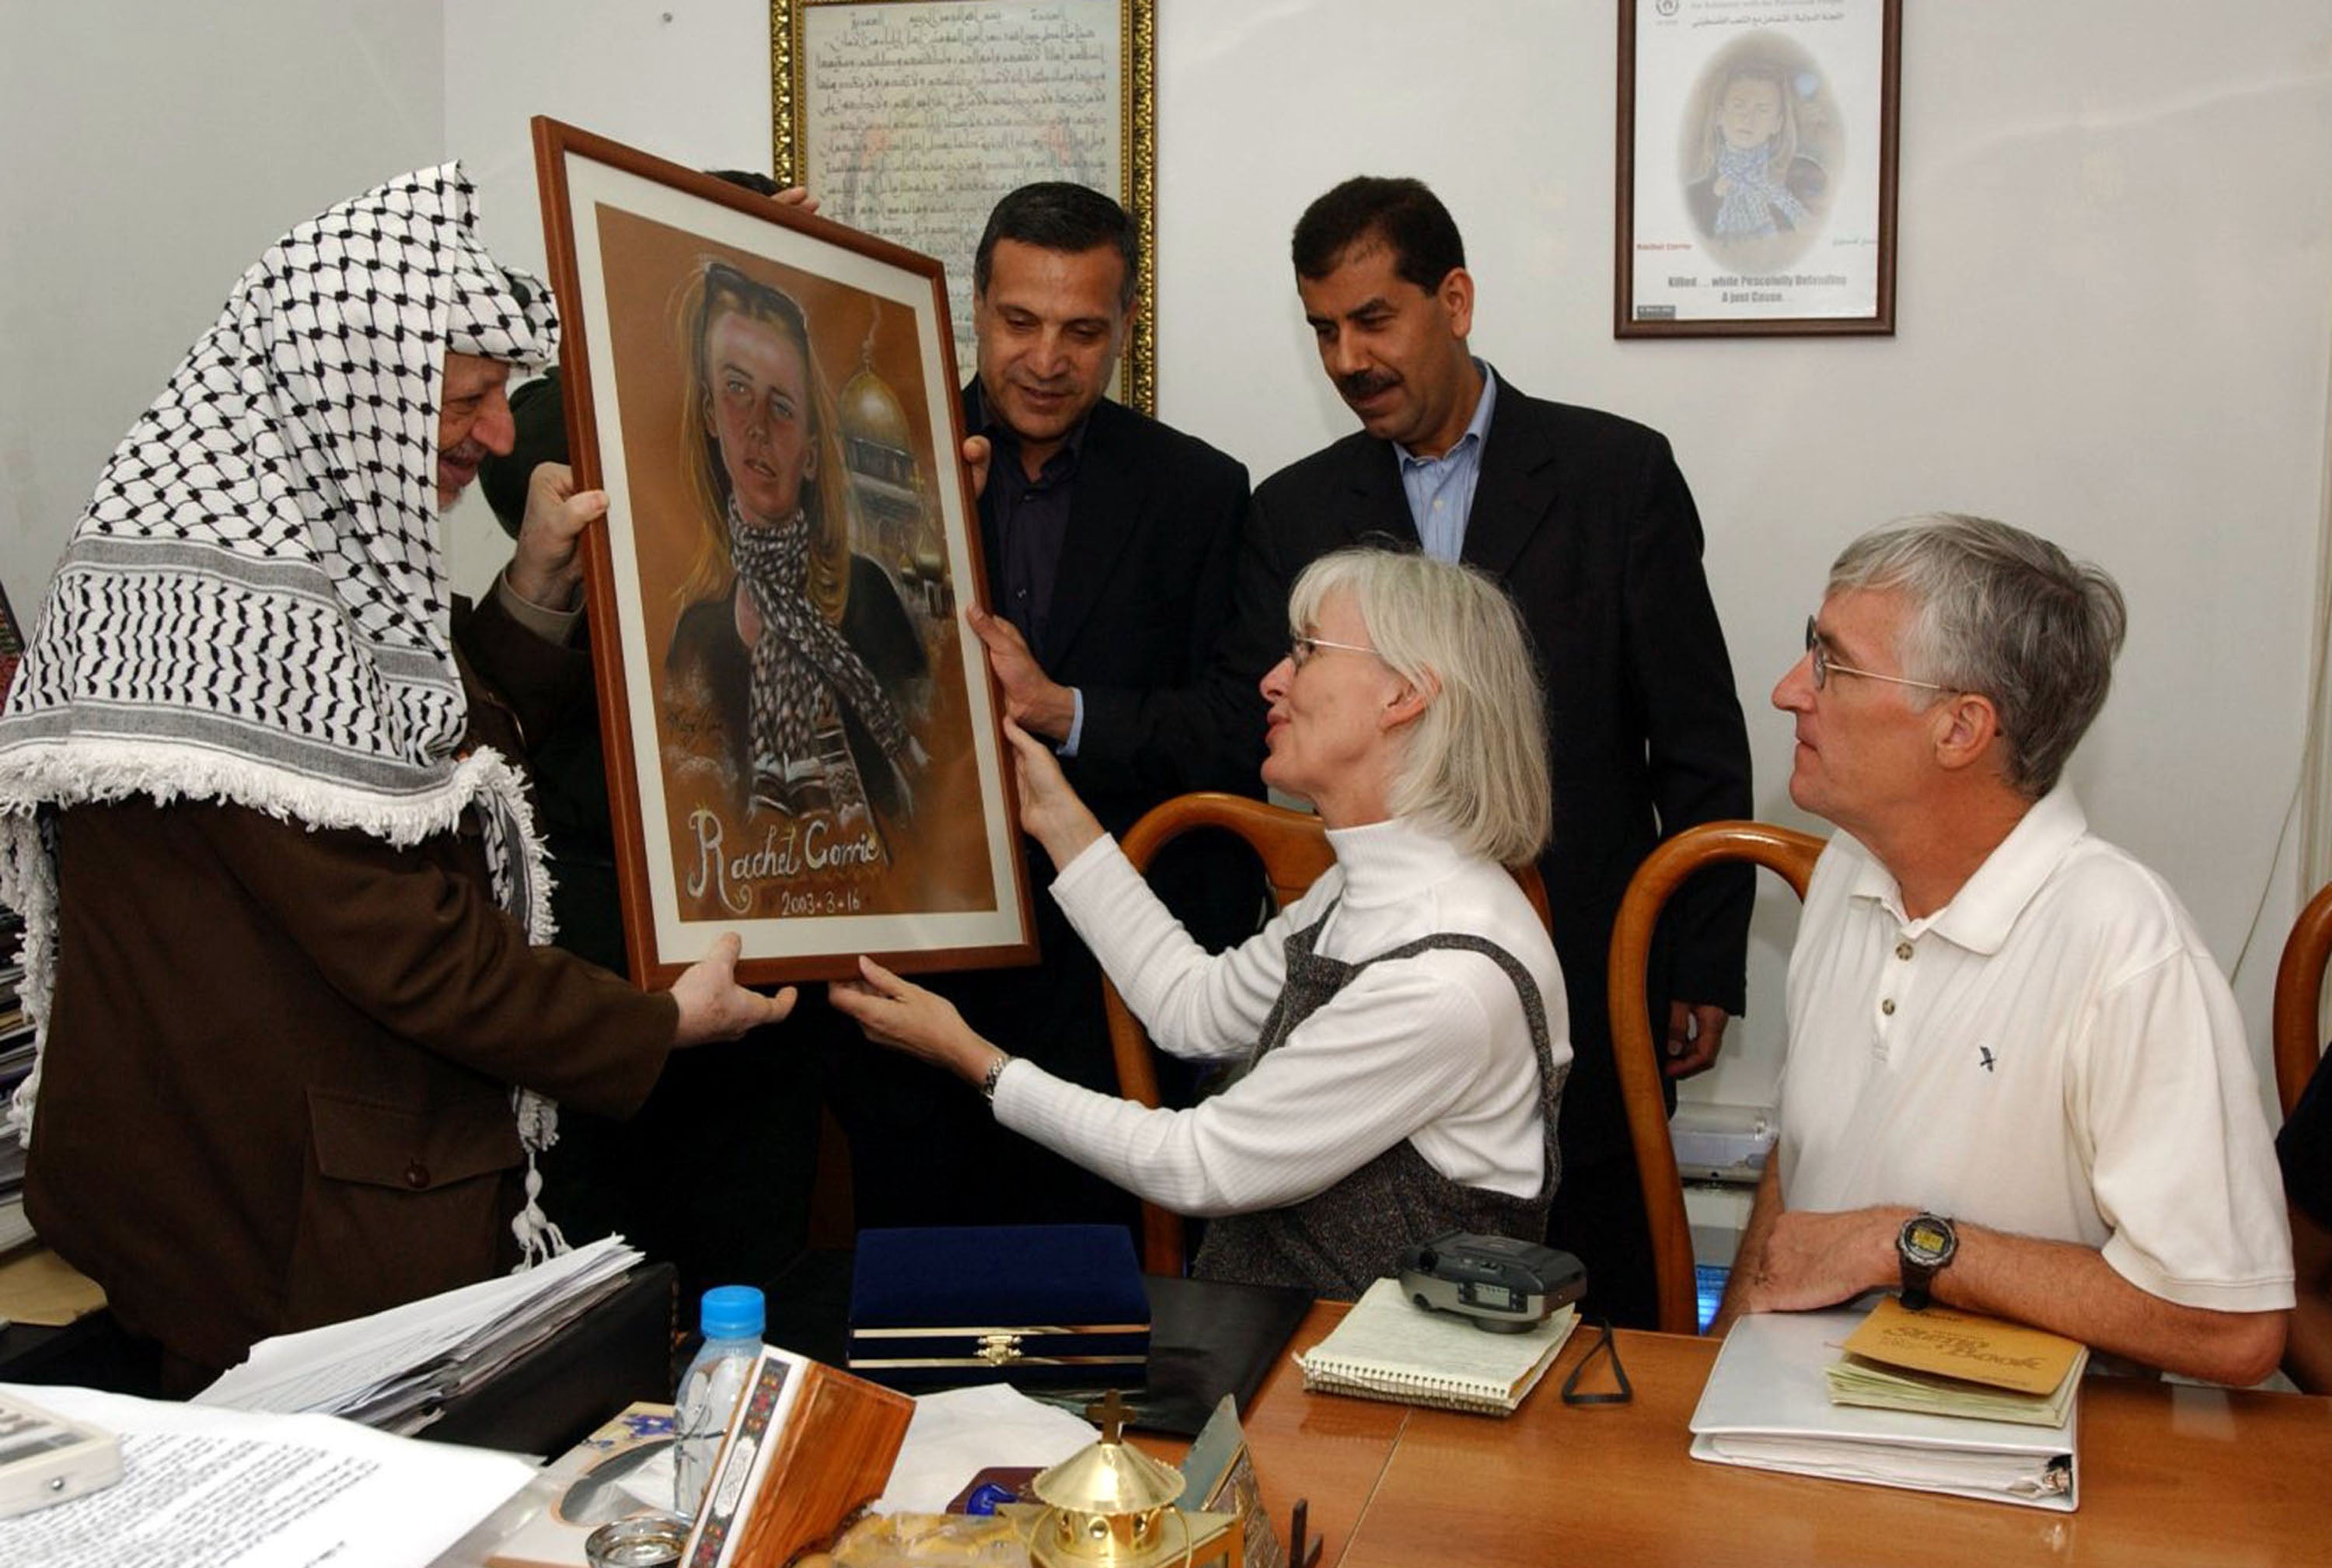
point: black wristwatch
(1926, 1243)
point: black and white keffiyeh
(253, 608)
(801, 657)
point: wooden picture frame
(1757, 152)
(911, 119)
(803, 743)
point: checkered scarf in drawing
(1757, 191)
(800, 655)
(253, 607)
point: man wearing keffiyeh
(283, 892)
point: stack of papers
(394, 1369)
(1958, 1364)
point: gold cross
(1111, 1414)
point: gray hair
(1474, 765)
(2005, 615)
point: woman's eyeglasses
(1300, 651)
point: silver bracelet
(995, 1071)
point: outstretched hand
(714, 1006)
(902, 1015)
(1033, 700)
(1050, 811)
(544, 569)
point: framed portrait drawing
(1756, 168)
(803, 744)
(911, 118)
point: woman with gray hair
(1399, 1033)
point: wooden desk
(2170, 1474)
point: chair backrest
(2299, 997)
(1780, 849)
(1293, 848)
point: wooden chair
(1293, 848)
(2299, 996)
(1780, 849)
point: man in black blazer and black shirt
(1110, 542)
(1585, 518)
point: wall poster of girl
(1756, 166)
(803, 742)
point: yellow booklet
(1948, 1362)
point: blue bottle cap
(733, 1311)
(986, 1497)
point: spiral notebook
(1388, 1348)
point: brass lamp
(1113, 1504)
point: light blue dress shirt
(1440, 489)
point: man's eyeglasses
(1300, 651)
(1826, 666)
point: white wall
(2113, 313)
(2112, 328)
(153, 151)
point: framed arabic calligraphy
(803, 742)
(911, 118)
(1756, 166)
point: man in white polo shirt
(2017, 1082)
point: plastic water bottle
(733, 1318)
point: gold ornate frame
(1137, 151)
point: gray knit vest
(1337, 1242)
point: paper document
(214, 1488)
(1958, 1364)
(1966, 1345)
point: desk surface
(2170, 1474)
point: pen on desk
(1301, 1554)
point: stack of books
(15, 1065)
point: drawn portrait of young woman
(792, 644)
